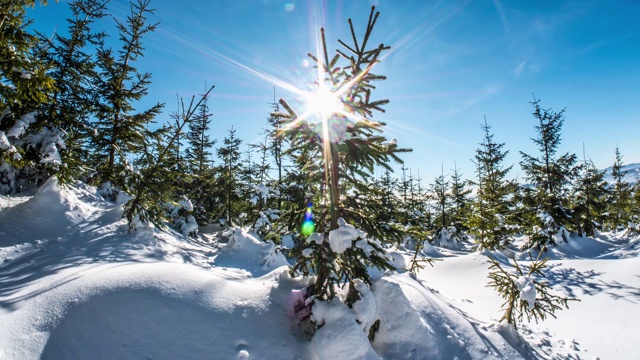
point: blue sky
(451, 64)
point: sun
(323, 103)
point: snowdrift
(75, 283)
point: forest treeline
(68, 111)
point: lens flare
(323, 102)
(308, 227)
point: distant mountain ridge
(632, 175)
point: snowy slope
(632, 175)
(75, 284)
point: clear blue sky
(452, 63)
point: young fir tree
(551, 176)
(491, 220)
(73, 102)
(440, 193)
(588, 199)
(460, 202)
(198, 158)
(620, 200)
(25, 87)
(120, 131)
(276, 145)
(228, 179)
(155, 195)
(350, 146)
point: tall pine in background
(619, 208)
(228, 179)
(199, 163)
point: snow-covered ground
(75, 284)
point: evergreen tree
(228, 179)
(620, 200)
(491, 220)
(589, 197)
(460, 202)
(25, 87)
(199, 163)
(156, 196)
(73, 102)
(440, 193)
(120, 132)
(275, 144)
(350, 150)
(550, 176)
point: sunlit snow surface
(75, 284)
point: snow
(527, 289)
(76, 284)
(341, 238)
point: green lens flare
(308, 227)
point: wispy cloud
(503, 16)
(518, 70)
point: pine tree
(589, 197)
(199, 163)
(154, 188)
(491, 220)
(349, 151)
(550, 177)
(620, 200)
(228, 180)
(25, 87)
(120, 132)
(440, 192)
(73, 102)
(460, 202)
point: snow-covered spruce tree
(588, 200)
(619, 204)
(25, 87)
(156, 199)
(547, 202)
(346, 240)
(491, 220)
(68, 114)
(120, 133)
(199, 163)
(524, 292)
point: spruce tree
(73, 102)
(491, 221)
(551, 176)
(154, 189)
(25, 87)
(228, 179)
(120, 131)
(350, 146)
(620, 199)
(589, 196)
(198, 157)
(460, 201)
(440, 194)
